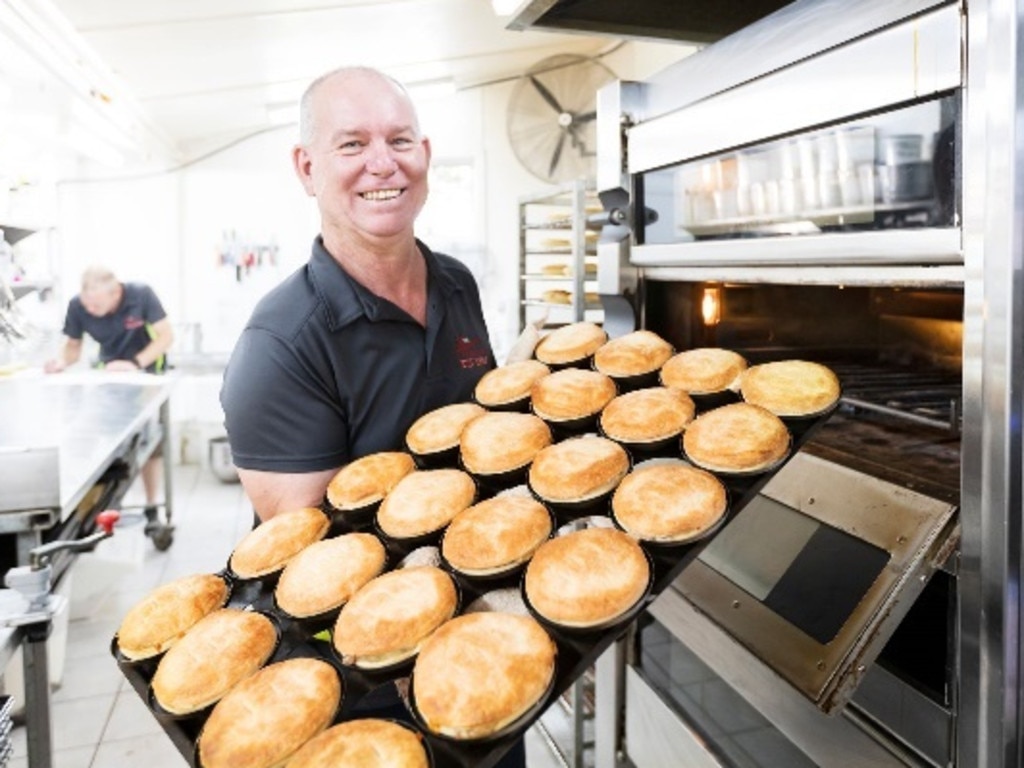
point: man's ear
(303, 165)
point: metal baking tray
(576, 651)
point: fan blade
(586, 117)
(546, 95)
(557, 155)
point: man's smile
(381, 194)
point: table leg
(37, 695)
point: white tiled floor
(98, 719)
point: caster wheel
(163, 539)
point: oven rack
(576, 652)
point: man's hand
(53, 366)
(527, 341)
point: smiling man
(375, 329)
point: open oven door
(815, 574)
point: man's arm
(69, 355)
(274, 492)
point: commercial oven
(837, 182)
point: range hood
(696, 21)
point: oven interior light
(711, 306)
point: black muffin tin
(576, 650)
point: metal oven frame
(813, 62)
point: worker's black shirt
(124, 332)
(326, 371)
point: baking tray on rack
(576, 651)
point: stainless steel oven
(837, 181)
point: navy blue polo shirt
(326, 371)
(124, 332)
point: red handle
(107, 519)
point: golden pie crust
(424, 502)
(633, 354)
(164, 615)
(791, 387)
(587, 578)
(647, 415)
(669, 502)
(387, 620)
(439, 429)
(367, 480)
(572, 393)
(268, 547)
(578, 469)
(264, 720)
(366, 743)
(570, 343)
(326, 574)
(481, 672)
(704, 370)
(220, 651)
(509, 383)
(736, 438)
(496, 534)
(501, 442)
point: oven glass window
(891, 170)
(810, 574)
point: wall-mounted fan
(551, 117)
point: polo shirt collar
(346, 300)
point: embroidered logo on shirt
(131, 323)
(470, 352)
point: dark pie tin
(493, 483)
(644, 449)
(614, 624)
(536, 708)
(446, 458)
(199, 716)
(147, 666)
(354, 519)
(564, 428)
(400, 668)
(727, 473)
(706, 401)
(633, 381)
(518, 405)
(310, 625)
(581, 362)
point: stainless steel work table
(59, 434)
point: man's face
(100, 301)
(367, 162)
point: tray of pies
(478, 568)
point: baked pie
(387, 620)
(323, 576)
(508, 387)
(495, 535)
(635, 355)
(268, 547)
(366, 743)
(481, 672)
(220, 651)
(502, 442)
(424, 502)
(367, 480)
(705, 370)
(264, 720)
(577, 470)
(669, 502)
(572, 344)
(434, 437)
(588, 578)
(164, 615)
(571, 396)
(647, 417)
(739, 438)
(791, 387)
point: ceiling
(170, 80)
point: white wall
(167, 229)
